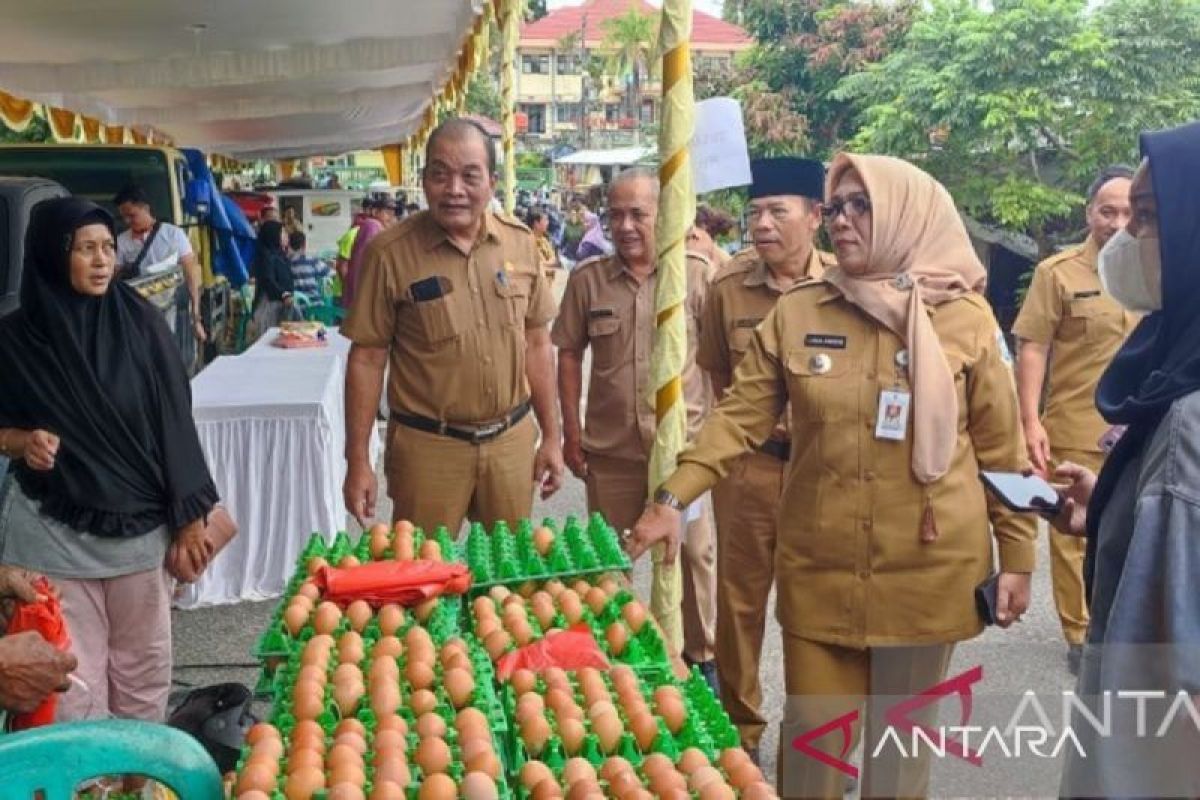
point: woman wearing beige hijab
(901, 391)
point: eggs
(543, 540)
(478, 786)
(634, 614)
(359, 614)
(460, 686)
(437, 787)
(327, 617)
(432, 756)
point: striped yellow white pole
(510, 25)
(676, 210)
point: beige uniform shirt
(455, 322)
(853, 569)
(1067, 309)
(606, 309)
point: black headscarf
(1160, 362)
(104, 375)
(271, 270)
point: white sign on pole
(719, 155)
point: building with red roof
(558, 99)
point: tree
(38, 130)
(631, 40)
(804, 48)
(1017, 108)
(535, 10)
(482, 97)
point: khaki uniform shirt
(606, 309)
(1067, 309)
(455, 322)
(853, 568)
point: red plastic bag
(574, 648)
(406, 582)
(46, 617)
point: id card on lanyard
(891, 418)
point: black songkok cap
(800, 176)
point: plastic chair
(57, 758)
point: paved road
(214, 644)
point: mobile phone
(1022, 493)
(986, 598)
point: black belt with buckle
(484, 433)
(777, 448)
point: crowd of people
(840, 407)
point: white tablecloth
(272, 426)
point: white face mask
(1131, 272)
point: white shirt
(170, 245)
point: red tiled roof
(706, 29)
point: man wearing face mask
(784, 217)
(1070, 321)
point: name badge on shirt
(891, 422)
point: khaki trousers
(746, 505)
(824, 683)
(618, 488)
(1066, 561)
(438, 480)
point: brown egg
(359, 614)
(383, 670)
(556, 678)
(260, 731)
(617, 637)
(391, 619)
(758, 791)
(403, 547)
(379, 529)
(601, 708)
(547, 789)
(346, 696)
(387, 647)
(345, 791)
(392, 722)
(256, 777)
(702, 776)
(315, 564)
(486, 762)
(613, 766)
(433, 755)
(431, 725)
(535, 732)
(378, 545)
(419, 675)
(635, 615)
(431, 550)
(326, 618)
(347, 673)
(350, 647)
(477, 786)
(691, 760)
(542, 607)
(530, 705)
(534, 772)
(303, 784)
(585, 790)
(581, 587)
(437, 787)
(349, 561)
(268, 749)
(254, 794)
(343, 754)
(521, 631)
(471, 721)
(571, 606)
(611, 584)
(571, 731)
(624, 785)
(308, 731)
(523, 680)
(543, 539)
(596, 599)
(644, 730)
(344, 774)
(385, 699)
(496, 644)
(294, 618)
(308, 705)
(422, 701)
(553, 587)
(309, 590)
(386, 790)
(655, 763)
(608, 730)
(669, 705)
(577, 769)
(667, 781)
(743, 774)
(300, 758)
(403, 527)
(394, 772)
(460, 686)
(622, 675)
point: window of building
(536, 114)
(535, 64)
(612, 112)
(569, 64)
(568, 112)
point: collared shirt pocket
(820, 385)
(513, 295)
(435, 309)
(603, 333)
(1090, 317)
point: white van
(325, 214)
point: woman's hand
(1072, 514)
(1012, 597)
(39, 449)
(189, 553)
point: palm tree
(631, 40)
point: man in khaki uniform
(1068, 320)
(609, 307)
(454, 301)
(878, 567)
(784, 217)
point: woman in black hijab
(1142, 515)
(110, 483)
(273, 281)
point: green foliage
(631, 41)
(532, 160)
(1017, 108)
(38, 130)
(483, 98)
(535, 10)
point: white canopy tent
(616, 157)
(261, 79)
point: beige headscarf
(915, 230)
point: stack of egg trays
(508, 558)
(706, 726)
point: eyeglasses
(93, 249)
(853, 206)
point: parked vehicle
(325, 215)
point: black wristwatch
(664, 498)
